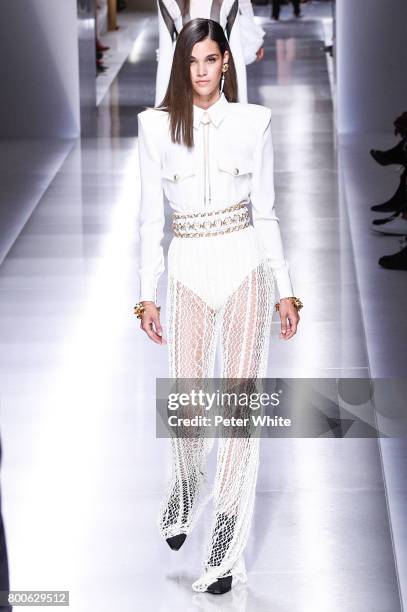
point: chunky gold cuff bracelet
(139, 309)
(296, 301)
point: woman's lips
(202, 82)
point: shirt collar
(216, 111)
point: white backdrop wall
(39, 71)
(371, 64)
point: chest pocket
(177, 174)
(236, 167)
(178, 179)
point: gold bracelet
(139, 309)
(296, 301)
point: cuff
(284, 286)
(148, 292)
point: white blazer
(231, 161)
(243, 44)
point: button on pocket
(178, 180)
(177, 175)
(236, 168)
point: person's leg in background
(4, 573)
(296, 7)
(276, 5)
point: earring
(225, 68)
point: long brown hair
(178, 100)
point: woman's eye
(212, 59)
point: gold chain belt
(211, 223)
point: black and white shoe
(188, 496)
(175, 542)
(222, 585)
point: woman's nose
(201, 69)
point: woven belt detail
(211, 223)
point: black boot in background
(398, 200)
(397, 261)
(396, 155)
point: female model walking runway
(244, 35)
(213, 160)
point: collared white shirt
(231, 162)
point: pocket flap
(236, 167)
(178, 172)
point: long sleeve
(165, 56)
(246, 8)
(251, 33)
(265, 221)
(236, 48)
(152, 215)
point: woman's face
(206, 67)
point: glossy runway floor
(82, 471)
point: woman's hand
(260, 54)
(289, 317)
(150, 317)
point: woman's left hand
(260, 54)
(289, 317)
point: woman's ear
(226, 57)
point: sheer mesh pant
(243, 326)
